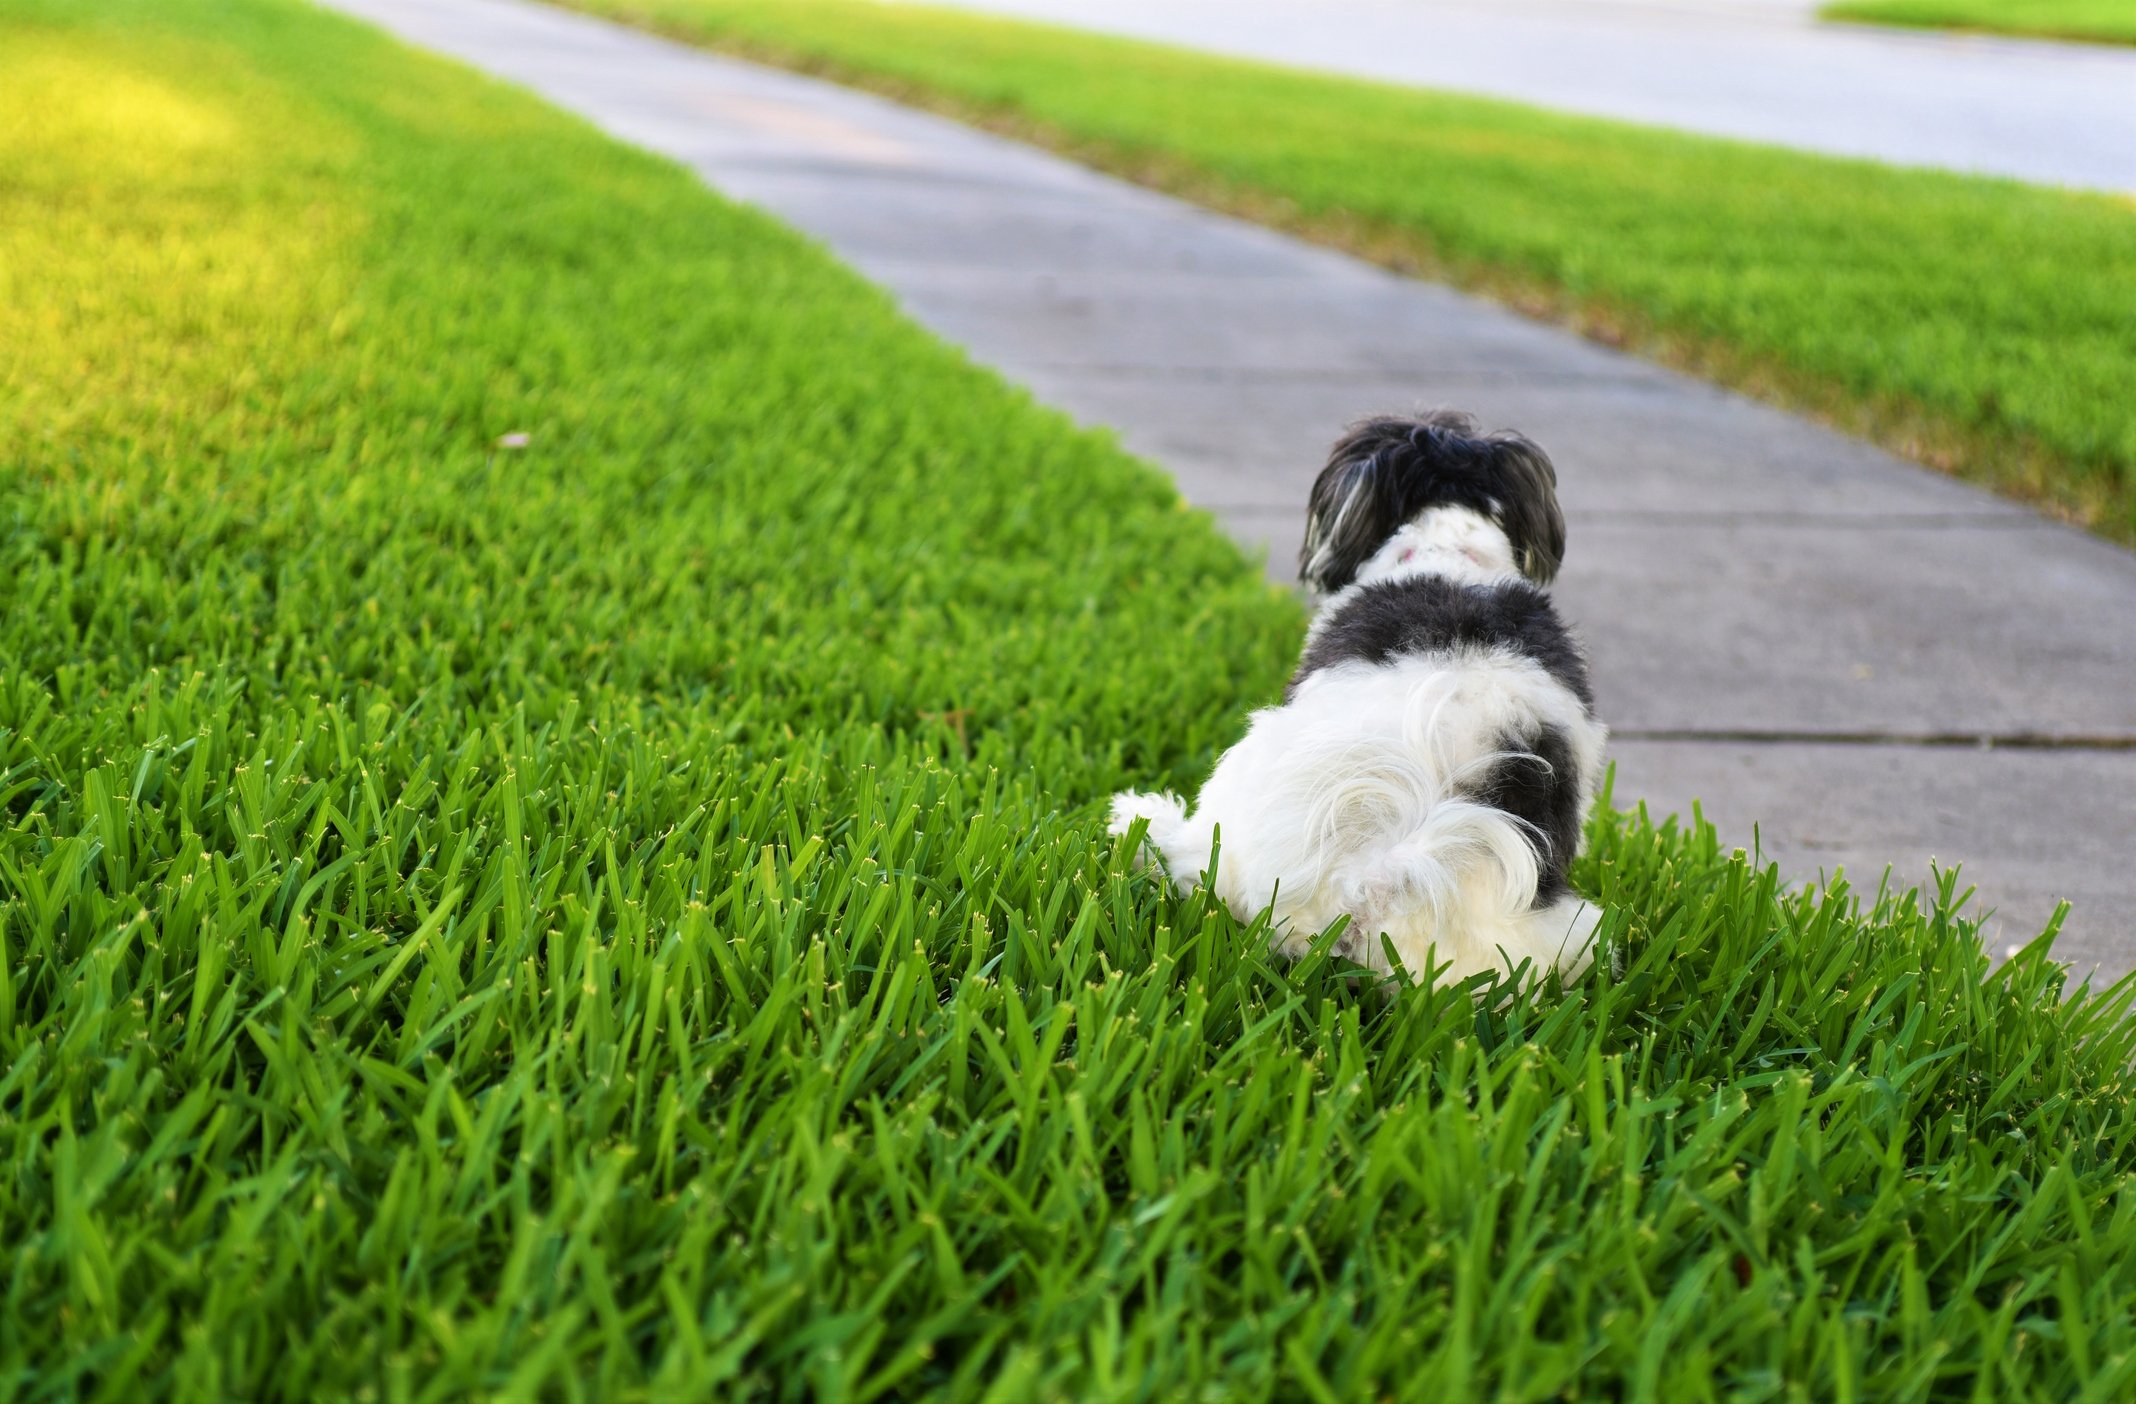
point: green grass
(1977, 325)
(2104, 21)
(629, 918)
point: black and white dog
(1430, 767)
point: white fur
(1347, 800)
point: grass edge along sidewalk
(626, 915)
(1972, 324)
(2086, 21)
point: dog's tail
(1465, 859)
(1461, 887)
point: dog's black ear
(1527, 505)
(1356, 503)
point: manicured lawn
(2107, 21)
(628, 917)
(1979, 325)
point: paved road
(1744, 579)
(1766, 70)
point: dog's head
(1384, 473)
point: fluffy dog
(1429, 770)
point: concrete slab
(1321, 326)
(882, 223)
(1743, 578)
(1891, 629)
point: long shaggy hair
(1429, 770)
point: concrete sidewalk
(1786, 624)
(1762, 70)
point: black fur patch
(1432, 614)
(1538, 781)
(1385, 472)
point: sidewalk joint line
(1953, 740)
